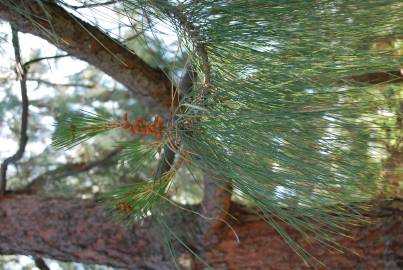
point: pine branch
(216, 195)
(275, 122)
(21, 74)
(138, 200)
(270, 114)
(77, 128)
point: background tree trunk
(80, 230)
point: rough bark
(76, 230)
(215, 208)
(86, 42)
(379, 245)
(79, 230)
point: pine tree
(272, 104)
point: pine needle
(75, 129)
(275, 108)
(136, 201)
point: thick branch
(80, 230)
(21, 74)
(76, 230)
(378, 244)
(86, 42)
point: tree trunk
(80, 230)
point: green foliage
(282, 121)
(78, 128)
(137, 153)
(136, 201)
(276, 109)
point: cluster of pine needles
(279, 114)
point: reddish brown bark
(79, 230)
(75, 230)
(380, 245)
(88, 43)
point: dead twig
(21, 74)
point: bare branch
(36, 60)
(215, 205)
(67, 170)
(49, 83)
(21, 73)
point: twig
(24, 117)
(36, 60)
(41, 81)
(89, 5)
(67, 170)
